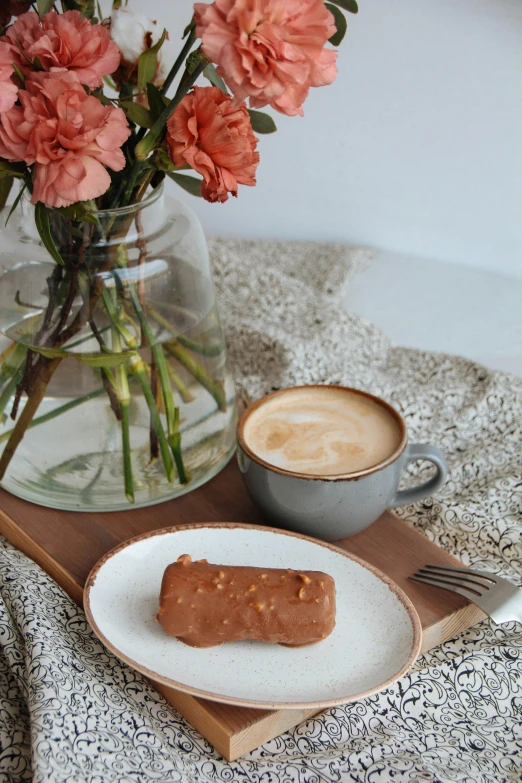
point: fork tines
(475, 582)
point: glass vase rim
(152, 197)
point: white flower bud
(135, 33)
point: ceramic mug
(336, 506)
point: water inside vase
(74, 460)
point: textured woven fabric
(69, 711)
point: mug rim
(352, 476)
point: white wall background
(416, 148)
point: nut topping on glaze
(283, 610)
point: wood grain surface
(67, 545)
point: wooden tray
(68, 544)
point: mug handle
(418, 451)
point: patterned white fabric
(70, 712)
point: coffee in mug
(322, 431)
(327, 460)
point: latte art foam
(322, 431)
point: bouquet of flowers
(92, 121)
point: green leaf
(194, 59)
(98, 93)
(41, 218)
(161, 160)
(109, 82)
(5, 188)
(50, 353)
(148, 62)
(156, 101)
(16, 201)
(81, 212)
(109, 359)
(15, 169)
(18, 72)
(214, 78)
(138, 114)
(190, 184)
(340, 23)
(348, 5)
(43, 6)
(86, 7)
(188, 29)
(261, 122)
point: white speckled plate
(376, 639)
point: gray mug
(335, 507)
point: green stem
(13, 362)
(127, 462)
(203, 350)
(131, 181)
(114, 315)
(184, 392)
(145, 146)
(7, 353)
(121, 385)
(138, 367)
(175, 445)
(183, 356)
(172, 413)
(7, 393)
(48, 368)
(57, 411)
(179, 62)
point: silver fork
(497, 597)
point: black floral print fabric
(72, 713)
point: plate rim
(236, 701)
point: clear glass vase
(114, 386)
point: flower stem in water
(193, 345)
(215, 388)
(172, 413)
(138, 367)
(47, 370)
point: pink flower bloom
(271, 51)
(65, 41)
(8, 89)
(213, 134)
(69, 135)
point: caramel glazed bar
(204, 605)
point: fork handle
(415, 452)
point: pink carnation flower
(65, 41)
(271, 51)
(8, 89)
(69, 135)
(210, 132)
